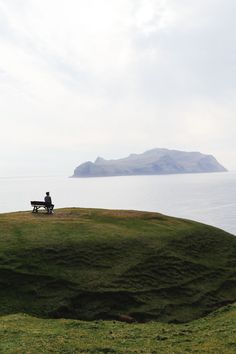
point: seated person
(48, 203)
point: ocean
(209, 197)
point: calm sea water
(209, 198)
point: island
(152, 162)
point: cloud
(111, 77)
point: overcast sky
(81, 78)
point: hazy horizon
(93, 160)
(109, 78)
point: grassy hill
(215, 334)
(93, 264)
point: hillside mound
(100, 264)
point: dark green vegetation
(215, 334)
(97, 264)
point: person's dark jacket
(48, 200)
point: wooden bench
(38, 204)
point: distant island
(152, 162)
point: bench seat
(40, 204)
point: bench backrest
(34, 202)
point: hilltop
(152, 162)
(93, 264)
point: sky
(87, 78)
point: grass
(214, 334)
(92, 264)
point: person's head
(47, 193)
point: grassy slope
(214, 334)
(97, 264)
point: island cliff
(152, 162)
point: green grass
(94, 264)
(214, 334)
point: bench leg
(35, 210)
